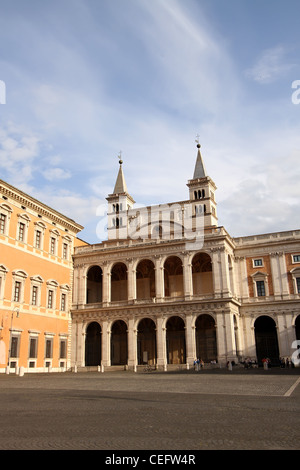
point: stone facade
(170, 286)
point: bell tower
(202, 192)
(119, 203)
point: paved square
(183, 410)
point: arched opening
(146, 342)
(206, 338)
(173, 277)
(266, 340)
(175, 337)
(94, 285)
(145, 280)
(202, 274)
(93, 345)
(297, 328)
(119, 343)
(119, 282)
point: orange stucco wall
(22, 319)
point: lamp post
(17, 310)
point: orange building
(36, 277)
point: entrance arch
(94, 285)
(146, 342)
(206, 338)
(173, 277)
(175, 336)
(266, 340)
(93, 345)
(119, 353)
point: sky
(82, 80)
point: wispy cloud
(272, 65)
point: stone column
(159, 278)
(131, 280)
(77, 350)
(187, 276)
(132, 344)
(217, 272)
(190, 340)
(79, 296)
(161, 343)
(106, 337)
(224, 271)
(230, 337)
(242, 277)
(106, 288)
(221, 343)
(279, 275)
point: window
(48, 349)
(63, 302)
(36, 284)
(52, 245)
(50, 299)
(296, 258)
(14, 346)
(33, 348)
(260, 286)
(2, 223)
(21, 233)
(65, 251)
(63, 349)
(295, 272)
(34, 298)
(51, 293)
(17, 291)
(18, 287)
(40, 228)
(3, 272)
(22, 230)
(5, 213)
(257, 262)
(54, 236)
(38, 239)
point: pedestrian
(287, 362)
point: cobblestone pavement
(183, 410)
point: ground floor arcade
(177, 338)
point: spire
(120, 186)
(199, 171)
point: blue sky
(87, 78)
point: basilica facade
(170, 286)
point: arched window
(145, 279)
(119, 282)
(202, 274)
(173, 277)
(94, 285)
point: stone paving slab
(156, 411)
